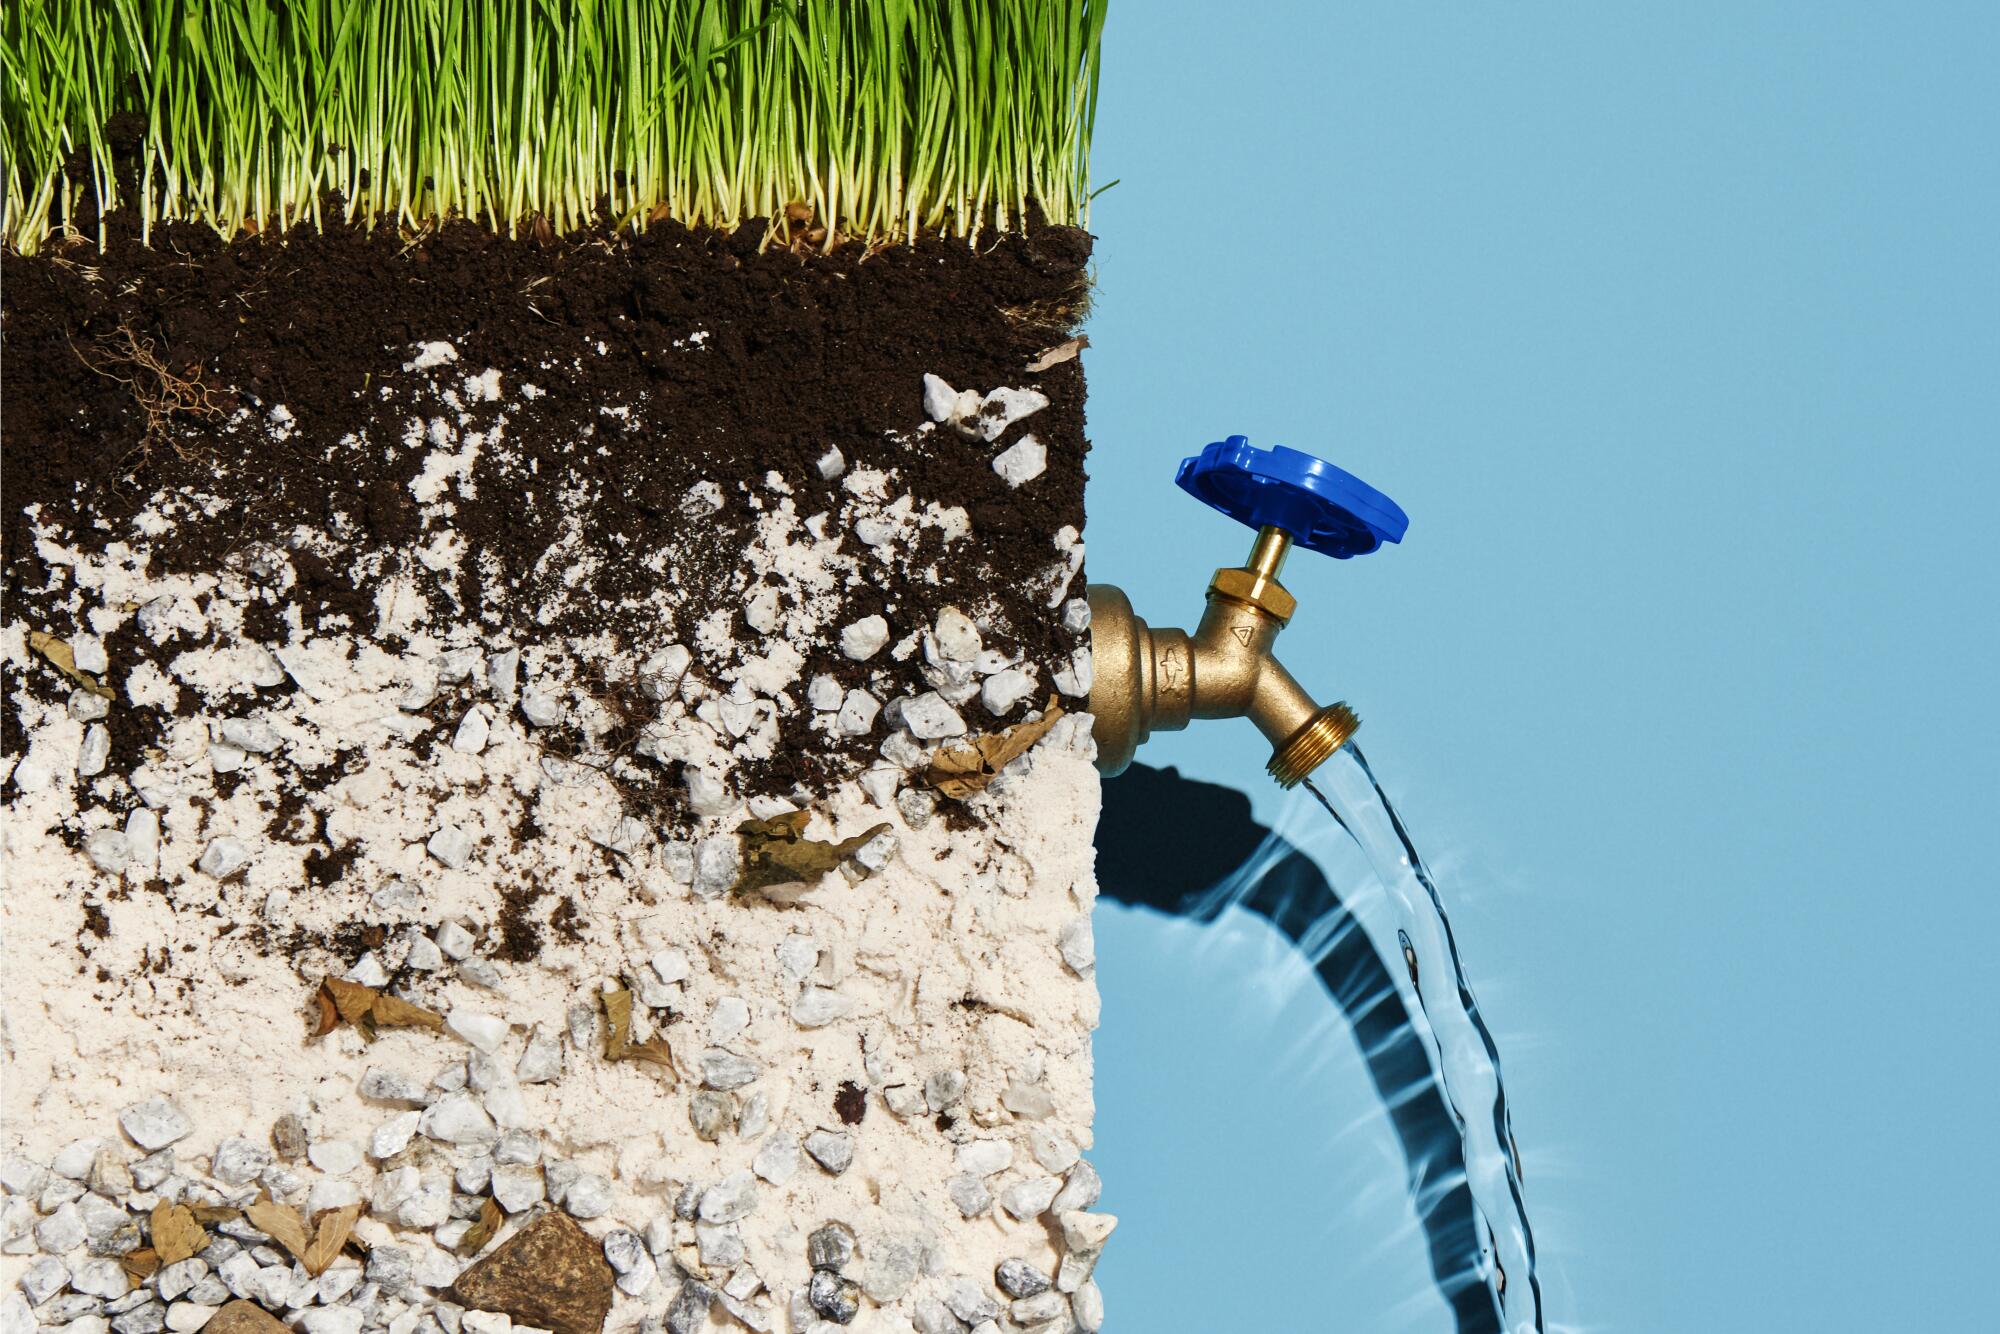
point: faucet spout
(1150, 680)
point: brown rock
(241, 1317)
(550, 1273)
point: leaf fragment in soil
(63, 658)
(482, 1230)
(618, 1043)
(282, 1224)
(777, 852)
(1060, 353)
(368, 1009)
(177, 1233)
(331, 1229)
(963, 768)
(141, 1264)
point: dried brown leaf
(141, 1264)
(368, 1009)
(617, 1023)
(177, 1234)
(213, 1213)
(1060, 353)
(282, 1224)
(330, 1233)
(654, 1051)
(966, 767)
(63, 658)
(392, 1012)
(777, 852)
(329, 1017)
(482, 1230)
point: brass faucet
(1148, 680)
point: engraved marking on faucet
(1242, 633)
(1173, 670)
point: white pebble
(824, 694)
(540, 709)
(1075, 679)
(154, 1124)
(223, 858)
(109, 851)
(335, 1157)
(484, 1031)
(956, 636)
(857, 713)
(454, 940)
(473, 730)
(985, 1157)
(249, 734)
(1003, 690)
(1003, 407)
(1078, 946)
(451, 845)
(718, 861)
(1027, 1199)
(777, 1159)
(457, 1118)
(939, 398)
(832, 1151)
(1076, 616)
(95, 751)
(831, 464)
(87, 652)
(864, 638)
(394, 1135)
(1023, 461)
(929, 718)
(817, 1007)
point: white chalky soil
(164, 941)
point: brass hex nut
(1266, 595)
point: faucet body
(1148, 680)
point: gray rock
(387, 1086)
(517, 1188)
(1040, 1309)
(147, 1318)
(211, 1291)
(970, 1194)
(388, 1268)
(985, 1157)
(932, 1317)
(689, 1311)
(777, 1159)
(542, 1059)
(152, 1171)
(835, 1298)
(61, 1232)
(1081, 1189)
(457, 1118)
(720, 1245)
(44, 1279)
(1018, 1278)
(16, 1316)
(239, 1161)
(110, 1175)
(589, 1196)
(943, 1089)
(120, 1305)
(517, 1148)
(288, 1137)
(68, 1306)
(969, 1302)
(718, 862)
(755, 1117)
(176, 1280)
(831, 1246)
(1031, 1197)
(817, 1007)
(834, 1152)
(154, 1124)
(726, 1070)
(893, 1264)
(729, 1199)
(20, 1175)
(710, 1113)
(624, 1249)
(1086, 1307)
(473, 1175)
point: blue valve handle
(1324, 509)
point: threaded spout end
(1312, 745)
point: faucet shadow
(1167, 842)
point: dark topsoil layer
(804, 352)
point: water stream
(1447, 1019)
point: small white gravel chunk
(729, 1199)
(1086, 1307)
(454, 940)
(718, 862)
(335, 1157)
(484, 1031)
(929, 718)
(726, 1070)
(943, 1089)
(61, 1232)
(1029, 1197)
(95, 752)
(817, 1007)
(394, 1135)
(451, 845)
(1005, 689)
(1078, 946)
(540, 709)
(969, 1302)
(857, 713)
(670, 966)
(589, 1196)
(223, 858)
(985, 1157)
(956, 635)
(473, 730)
(864, 638)
(834, 1152)
(517, 1187)
(458, 1118)
(830, 464)
(777, 1159)
(1081, 1189)
(1075, 679)
(824, 694)
(155, 1123)
(251, 734)
(109, 850)
(1021, 462)
(542, 1059)
(238, 1161)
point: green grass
(881, 119)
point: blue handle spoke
(1324, 508)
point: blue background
(1676, 329)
